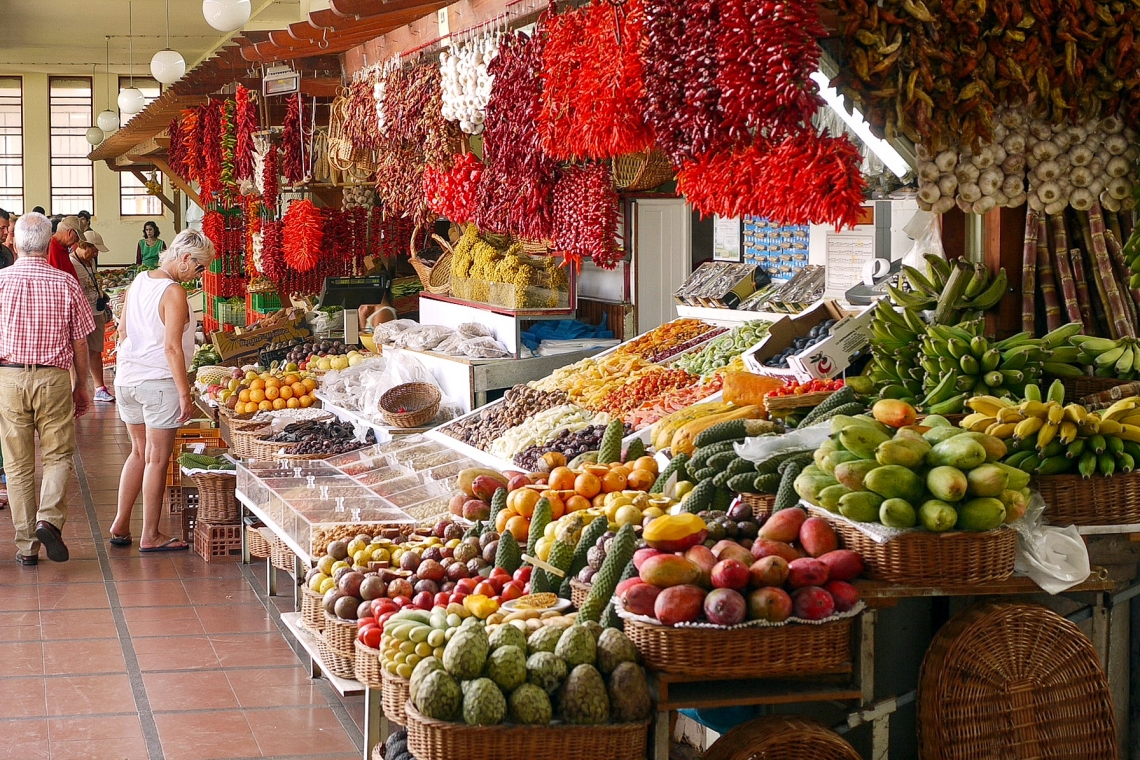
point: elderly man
(67, 234)
(46, 322)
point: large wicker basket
(781, 737)
(795, 649)
(241, 441)
(436, 278)
(921, 558)
(634, 172)
(312, 610)
(394, 694)
(340, 635)
(1008, 680)
(410, 405)
(761, 504)
(430, 739)
(257, 543)
(335, 663)
(217, 499)
(1072, 500)
(281, 556)
(367, 666)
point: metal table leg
(270, 577)
(376, 724)
(299, 572)
(244, 542)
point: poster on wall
(726, 239)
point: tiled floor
(121, 656)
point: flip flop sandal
(169, 546)
(121, 540)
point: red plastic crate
(223, 285)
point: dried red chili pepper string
(227, 143)
(586, 216)
(190, 145)
(209, 133)
(272, 254)
(292, 141)
(453, 194)
(303, 234)
(245, 123)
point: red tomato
(466, 585)
(442, 599)
(511, 590)
(523, 573)
(363, 622)
(371, 638)
(499, 572)
(402, 601)
(486, 589)
(383, 618)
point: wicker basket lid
(1008, 680)
(781, 737)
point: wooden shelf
(346, 687)
(676, 694)
(881, 594)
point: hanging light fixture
(108, 120)
(226, 15)
(167, 66)
(94, 135)
(131, 99)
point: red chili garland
(586, 215)
(304, 231)
(227, 144)
(453, 193)
(292, 141)
(362, 127)
(214, 227)
(176, 153)
(190, 145)
(272, 254)
(245, 125)
(592, 83)
(210, 135)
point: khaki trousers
(36, 401)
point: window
(72, 174)
(133, 198)
(11, 145)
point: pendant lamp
(226, 15)
(167, 66)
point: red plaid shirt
(42, 311)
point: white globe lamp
(131, 100)
(226, 15)
(167, 66)
(108, 121)
(94, 135)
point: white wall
(120, 233)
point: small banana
(976, 422)
(1055, 413)
(1046, 434)
(1130, 433)
(1001, 430)
(1028, 427)
(1009, 414)
(1120, 408)
(1075, 413)
(1033, 408)
(1110, 427)
(1067, 432)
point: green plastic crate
(230, 311)
(264, 303)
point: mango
(784, 525)
(936, 420)
(466, 479)
(900, 452)
(866, 419)
(666, 570)
(893, 413)
(937, 516)
(808, 486)
(675, 533)
(959, 451)
(1015, 505)
(862, 440)
(893, 481)
(1018, 479)
(828, 447)
(841, 421)
(911, 434)
(812, 470)
(947, 483)
(830, 496)
(987, 480)
(937, 435)
(897, 513)
(860, 506)
(994, 446)
(836, 458)
(980, 514)
(851, 474)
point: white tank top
(142, 356)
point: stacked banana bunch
(894, 364)
(1109, 358)
(951, 290)
(1045, 438)
(959, 362)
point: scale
(875, 281)
(350, 293)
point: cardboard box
(780, 336)
(231, 346)
(827, 358)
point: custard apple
(423, 668)
(545, 639)
(629, 693)
(594, 627)
(507, 635)
(583, 699)
(507, 667)
(483, 703)
(576, 646)
(614, 648)
(439, 696)
(529, 705)
(546, 670)
(466, 653)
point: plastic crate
(218, 543)
(263, 303)
(230, 311)
(224, 285)
(185, 437)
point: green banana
(989, 298)
(1061, 334)
(1087, 466)
(1106, 464)
(952, 405)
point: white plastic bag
(760, 448)
(1055, 559)
(475, 330)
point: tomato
(523, 573)
(364, 622)
(499, 572)
(511, 590)
(383, 618)
(403, 601)
(371, 638)
(466, 585)
(442, 599)
(486, 589)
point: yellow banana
(976, 421)
(1075, 413)
(1033, 408)
(1067, 433)
(1046, 434)
(1091, 425)
(1001, 429)
(988, 404)
(1130, 433)
(1133, 418)
(1109, 427)
(1009, 414)
(1055, 412)
(1028, 427)
(1119, 409)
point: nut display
(519, 403)
(320, 438)
(569, 443)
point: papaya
(466, 478)
(841, 421)
(1018, 479)
(900, 452)
(937, 516)
(683, 439)
(897, 513)
(987, 480)
(994, 446)
(836, 458)
(826, 449)
(665, 570)
(939, 434)
(947, 483)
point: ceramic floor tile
(252, 650)
(78, 624)
(119, 748)
(24, 740)
(80, 597)
(83, 657)
(298, 730)
(23, 698)
(205, 735)
(151, 593)
(22, 658)
(228, 619)
(96, 729)
(126, 566)
(179, 653)
(74, 571)
(195, 690)
(274, 687)
(215, 592)
(89, 695)
(162, 621)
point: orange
(641, 480)
(286, 391)
(587, 485)
(299, 389)
(243, 395)
(293, 403)
(614, 480)
(279, 403)
(257, 384)
(306, 401)
(522, 501)
(273, 382)
(555, 499)
(265, 406)
(519, 527)
(309, 383)
(290, 379)
(561, 478)
(646, 463)
(501, 520)
(577, 503)
(257, 395)
(272, 392)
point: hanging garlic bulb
(465, 83)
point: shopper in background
(83, 258)
(7, 255)
(149, 248)
(66, 235)
(156, 345)
(46, 322)
(38, 210)
(84, 220)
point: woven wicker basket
(430, 739)
(367, 666)
(335, 663)
(241, 441)
(796, 649)
(1077, 388)
(281, 556)
(240, 422)
(270, 450)
(922, 558)
(312, 610)
(634, 172)
(761, 504)
(394, 694)
(258, 546)
(578, 593)
(802, 401)
(1072, 500)
(419, 402)
(217, 500)
(781, 737)
(436, 278)
(1008, 680)
(340, 635)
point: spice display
(518, 181)
(453, 193)
(176, 152)
(593, 84)
(569, 443)
(465, 82)
(585, 216)
(293, 141)
(518, 404)
(655, 344)
(272, 260)
(588, 382)
(724, 349)
(245, 124)
(302, 235)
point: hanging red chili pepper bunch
(518, 177)
(592, 82)
(245, 123)
(361, 126)
(804, 179)
(214, 227)
(210, 147)
(253, 230)
(190, 146)
(272, 253)
(304, 232)
(270, 181)
(336, 235)
(228, 143)
(453, 193)
(292, 141)
(586, 215)
(375, 231)
(176, 153)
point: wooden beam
(161, 196)
(178, 182)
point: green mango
(897, 513)
(959, 451)
(809, 486)
(828, 447)
(893, 481)
(836, 458)
(830, 496)
(851, 474)
(860, 506)
(867, 419)
(862, 440)
(947, 483)
(939, 434)
(987, 480)
(841, 421)
(1018, 479)
(937, 516)
(995, 447)
(900, 452)
(980, 514)
(936, 420)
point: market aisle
(120, 656)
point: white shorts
(153, 403)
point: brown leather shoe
(26, 560)
(52, 540)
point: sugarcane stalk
(1045, 278)
(1029, 274)
(1068, 289)
(1112, 224)
(1084, 300)
(1100, 304)
(1123, 275)
(950, 302)
(1094, 218)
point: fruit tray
(917, 557)
(430, 739)
(1073, 500)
